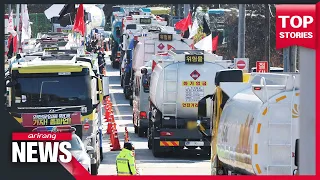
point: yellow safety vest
(125, 163)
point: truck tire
(115, 65)
(126, 93)
(149, 144)
(101, 154)
(149, 137)
(135, 129)
(141, 132)
(121, 81)
(94, 169)
(156, 151)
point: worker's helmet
(128, 146)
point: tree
(200, 35)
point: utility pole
(9, 8)
(18, 25)
(286, 59)
(267, 35)
(241, 31)
(171, 17)
(293, 58)
(186, 8)
(290, 59)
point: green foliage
(255, 36)
(40, 23)
(199, 35)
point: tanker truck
(158, 39)
(175, 90)
(254, 124)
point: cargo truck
(255, 124)
(59, 90)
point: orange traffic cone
(116, 143)
(126, 135)
(107, 115)
(110, 126)
(111, 137)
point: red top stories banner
(51, 119)
(296, 25)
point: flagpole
(18, 25)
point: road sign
(242, 63)
(262, 67)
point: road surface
(146, 163)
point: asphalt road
(174, 164)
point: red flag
(153, 64)
(14, 40)
(215, 43)
(170, 47)
(79, 25)
(184, 24)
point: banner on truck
(51, 119)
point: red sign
(295, 25)
(161, 46)
(195, 75)
(51, 119)
(241, 64)
(86, 126)
(262, 66)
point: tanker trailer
(175, 90)
(256, 125)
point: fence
(40, 23)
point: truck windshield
(52, 91)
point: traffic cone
(111, 137)
(126, 135)
(107, 114)
(110, 126)
(116, 143)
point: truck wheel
(94, 169)
(149, 144)
(140, 132)
(121, 81)
(156, 148)
(222, 171)
(126, 94)
(149, 137)
(135, 129)
(101, 154)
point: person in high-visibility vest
(125, 161)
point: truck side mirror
(144, 71)
(105, 85)
(90, 149)
(11, 84)
(296, 154)
(202, 106)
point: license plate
(192, 125)
(194, 143)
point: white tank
(258, 128)
(175, 89)
(151, 45)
